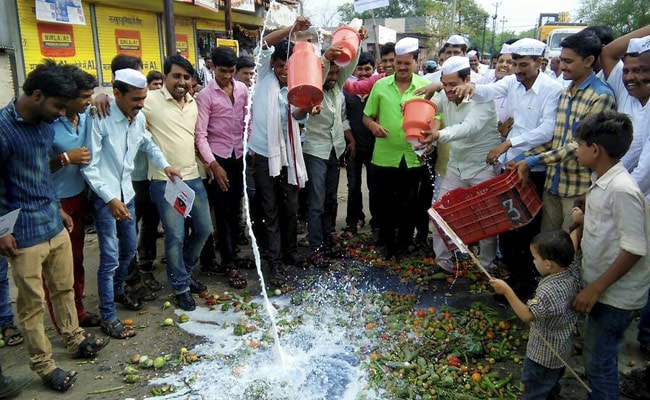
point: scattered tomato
(453, 361)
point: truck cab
(555, 37)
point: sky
(520, 15)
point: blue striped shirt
(25, 181)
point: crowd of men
(63, 160)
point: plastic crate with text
(492, 207)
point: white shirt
(639, 114)
(616, 218)
(641, 173)
(471, 127)
(208, 75)
(434, 76)
(533, 111)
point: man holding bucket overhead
(274, 143)
(397, 167)
(471, 128)
(323, 147)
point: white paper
(180, 196)
(7, 222)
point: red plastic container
(495, 206)
(418, 114)
(304, 76)
(349, 39)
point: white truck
(554, 39)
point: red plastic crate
(492, 207)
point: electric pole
(453, 16)
(484, 26)
(503, 25)
(494, 25)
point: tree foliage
(469, 18)
(395, 9)
(623, 16)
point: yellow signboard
(124, 31)
(184, 28)
(233, 44)
(208, 25)
(66, 43)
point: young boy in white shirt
(615, 267)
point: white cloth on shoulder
(281, 153)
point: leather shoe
(197, 287)
(186, 301)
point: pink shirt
(363, 86)
(220, 126)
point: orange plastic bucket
(304, 76)
(350, 40)
(418, 114)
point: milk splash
(323, 336)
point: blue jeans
(182, 255)
(644, 325)
(603, 334)
(6, 315)
(323, 185)
(117, 246)
(539, 381)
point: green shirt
(385, 102)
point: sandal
(348, 232)
(129, 302)
(244, 263)
(90, 346)
(150, 281)
(141, 292)
(117, 330)
(12, 335)
(319, 260)
(60, 380)
(89, 320)
(235, 279)
(276, 278)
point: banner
(61, 11)
(70, 44)
(243, 5)
(184, 30)
(212, 4)
(365, 5)
(124, 31)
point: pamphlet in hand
(180, 196)
(7, 222)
